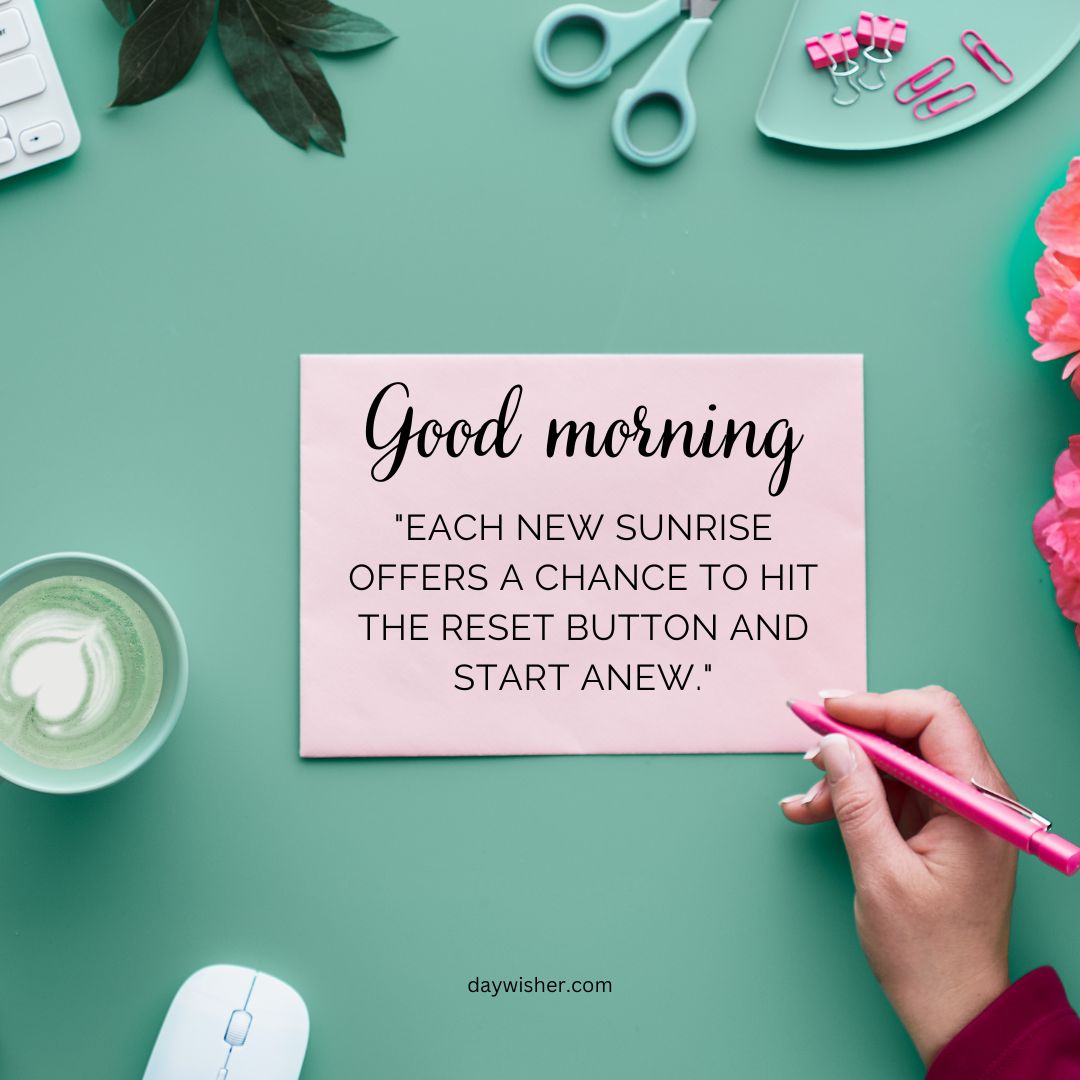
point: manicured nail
(811, 753)
(838, 756)
(813, 793)
(790, 798)
(826, 694)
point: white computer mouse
(231, 1023)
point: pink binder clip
(882, 38)
(819, 58)
(831, 51)
(975, 44)
(881, 32)
(950, 98)
(914, 86)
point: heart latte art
(80, 671)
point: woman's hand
(933, 892)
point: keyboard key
(13, 33)
(7, 151)
(21, 78)
(43, 137)
(3, 127)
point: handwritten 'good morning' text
(394, 429)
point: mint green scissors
(622, 33)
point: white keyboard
(37, 125)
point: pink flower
(1054, 318)
(1057, 532)
(1058, 224)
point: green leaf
(120, 10)
(159, 49)
(323, 26)
(328, 129)
(283, 82)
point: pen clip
(1019, 807)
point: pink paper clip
(949, 96)
(986, 56)
(830, 51)
(926, 79)
(882, 38)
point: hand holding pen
(933, 891)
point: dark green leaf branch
(269, 46)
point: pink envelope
(416, 638)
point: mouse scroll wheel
(239, 1025)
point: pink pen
(999, 814)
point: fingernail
(790, 798)
(838, 757)
(826, 694)
(813, 793)
(811, 753)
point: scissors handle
(667, 78)
(622, 33)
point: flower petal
(1054, 350)
(1046, 517)
(1067, 489)
(1070, 262)
(1053, 272)
(1058, 223)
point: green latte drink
(80, 671)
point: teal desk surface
(158, 290)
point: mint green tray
(1033, 36)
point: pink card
(576, 554)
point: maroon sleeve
(1029, 1032)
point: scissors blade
(700, 9)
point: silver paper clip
(1019, 807)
